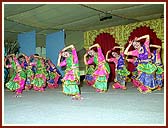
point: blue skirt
(147, 80)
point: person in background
(120, 68)
(156, 59)
(102, 69)
(41, 74)
(52, 82)
(17, 81)
(24, 61)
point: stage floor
(116, 107)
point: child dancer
(53, 75)
(41, 74)
(121, 70)
(157, 61)
(71, 79)
(145, 68)
(102, 70)
(25, 63)
(135, 71)
(17, 81)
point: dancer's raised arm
(59, 59)
(142, 37)
(75, 56)
(95, 45)
(155, 46)
(70, 46)
(120, 47)
(107, 54)
(126, 50)
(85, 61)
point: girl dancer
(53, 75)
(17, 81)
(25, 63)
(121, 70)
(157, 61)
(145, 68)
(135, 71)
(102, 70)
(41, 75)
(71, 79)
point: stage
(116, 107)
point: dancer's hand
(95, 45)
(72, 46)
(108, 51)
(130, 42)
(136, 38)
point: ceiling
(48, 18)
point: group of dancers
(37, 72)
(31, 72)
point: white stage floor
(116, 107)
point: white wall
(76, 38)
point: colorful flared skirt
(16, 81)
(70, 87)
(53, 80)
(123, 72)
(29, 73)
(147, 80)
(148, 68)
(39, 82)
(101, 83)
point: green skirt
(29, 73)
(101, 83)
(148, 68)
(11, 85)
(70, 87)
(123, 72)
(52, 75)
(39, 82)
